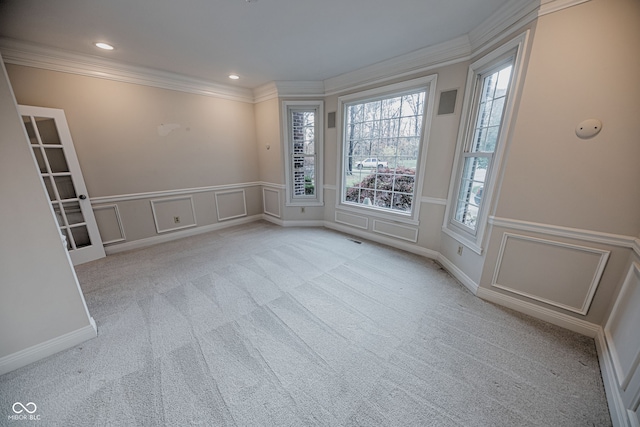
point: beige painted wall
(270, 160)
(40, 299)
(115, 131)
(122, 151)
(584, 64)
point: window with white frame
(487, 111)
(382, 134)
(303, 152)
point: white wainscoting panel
(352, 220)
(231, 204)
(109, 223)
(271, 202)
(622, 329)
(173, 213)
(395, 230)
(556, 273)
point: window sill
(378, 213)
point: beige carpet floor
(260, 325)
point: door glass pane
(40, 159)
(48, 131)
(58, 214)
(49, 185)
(73, 213)
(65, 233)
(80, 236)
(57, 161)
(28, 125)
(65, 187)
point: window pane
(471, 190)
(382, 145)
(298, 175)
(490, 110)
(309, 176)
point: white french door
(56, 159)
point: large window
(382, 147)
(303, 152)
(489, 101)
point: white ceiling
(262, 41)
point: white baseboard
(559, 319)
(150, 241)
(617, 410)
(32, 354)
(458, 274)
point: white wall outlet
(176, 220)
(460, 250)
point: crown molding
(550, 6)
(38, 56)
(512, 16)
(265, 92)
(446, 53)
(299, 89)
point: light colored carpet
(267, 326)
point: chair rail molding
(618, 240)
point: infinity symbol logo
(26, 407)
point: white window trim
(519, 46)
(318, 199)
(427, 83)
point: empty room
(270, 213)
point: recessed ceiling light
(104, 46)
(234, 76)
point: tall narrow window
(478, 154)
(382, 138)
(488, 106)
(303, 152)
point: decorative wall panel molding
(231, 204)
(403, 232)
(109, 223)
(622, 329)
(173, 213)
(271, 202)
(352, 220)
(556, 273)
